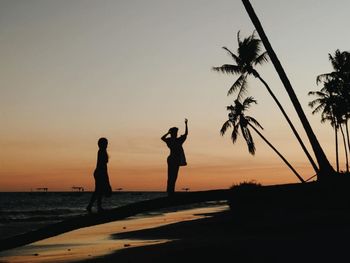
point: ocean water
(24, 211)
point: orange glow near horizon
(195, 179)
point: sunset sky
(72, 71)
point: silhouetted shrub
(242, 195)
(251, 198)
(245, 185)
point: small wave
(52, 206)
(36, 219)
(8, 216)
(39, 212)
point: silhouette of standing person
(177, 155)
(102, 185)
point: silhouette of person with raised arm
(102, 185)
(177, 155)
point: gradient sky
(72, 71)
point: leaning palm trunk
(336, 147)
(325, 168)
(345, 148)
(289, 122)
(347, 133)
(278, 153)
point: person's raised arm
(164, 136)
(186, 129)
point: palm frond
(311, 93)
(238, 38)
(240, 83)
(234, 134)
(230, 108)
(315, 102)
(234, 56)
(263, 58)
(247, 101)
(228, 69)
(243, 87)
(225, 126)
(319, 108)
(318, 93)
(253, 35)
(254, 121)
(325, 77)
(249, 139)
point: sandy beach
(101, 240)
(272, 236)
(281, 223)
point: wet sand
(101, 240)
(273, 236)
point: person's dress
(102, 184)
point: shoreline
(111, 215)
(315, 235)
(282, 223)
(100, 240)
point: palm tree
(248, 56)
(239, 121)
(341, 75)
(333, 108)
(326, 103)
(325, 168)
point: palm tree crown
(239, 121)
(341, 64)
(326, 103)
(248, 56)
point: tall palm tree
(247, 57)
(325, 168)
(239, 121)
(326, 103)
(341, 75)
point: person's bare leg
(91, 203)
(172, 176)
(99, 203)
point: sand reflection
(97, 240)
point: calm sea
(24, 211)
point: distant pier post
(44, 189)
(78, 188)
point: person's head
(102, 143)
(173, 132)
